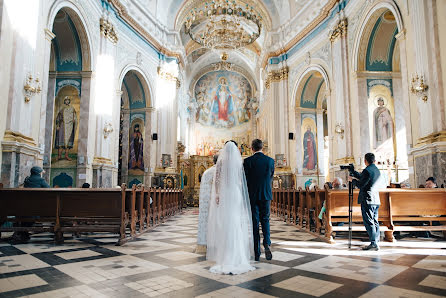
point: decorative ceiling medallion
(223, 24)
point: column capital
(49, 35)
(339, 30)
(401, 35)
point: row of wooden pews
(124, 211)
(400, 210)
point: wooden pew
(337, 211)
(60, 210)
(417, 205)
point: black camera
(350, 168)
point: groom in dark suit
(259, 171)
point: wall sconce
(419, 88)
(30, 88)
(339, 129)
(108, 129)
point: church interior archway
(383, 117)
(68, 102)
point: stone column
(320, 145)
(147, 147)
(253, 124)
(49, 122)
(342, 99)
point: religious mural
(136, 148)
(309, 143)
(383, 123)
(66, 127)
(222, 99)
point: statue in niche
(66, 121)
(136, 160)
(309, 145)
(223, 105)
(383, 123)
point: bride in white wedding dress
(229, 238)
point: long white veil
(230, 238)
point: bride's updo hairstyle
(257, 145)
(236, 145)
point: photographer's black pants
(370, 218)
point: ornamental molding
(108, 30)
(169, 77)
(324, 13)
(122, 12)
(339, 30)
(276, 76)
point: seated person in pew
(35, 180)
(335, 184)
(431, 182)
(86, 185)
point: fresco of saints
(223, 105)
(66, 121)
(309, 145)
(383, 123)
(136, 149)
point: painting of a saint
(383, 123)
(66, 121)
(136, 160)
(309, 145)
(223, 105)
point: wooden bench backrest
(28, 202)
(91, 203)
(339, 203)
(421, 202)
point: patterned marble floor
(162, 263)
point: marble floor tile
(77, 254)
(393, 292)
(185, 240)
(202, 269)
(436, 263)
(104, 269)
(434, 281)
(159, 285)
(179, 255)
(17, 263)
(284, 256)
(78, 292)
(234, 291)
(20, 282)
(32, 248)
(353, 269)
(138, 247)
(306, 285)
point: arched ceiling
(279, 11)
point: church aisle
(162, 263)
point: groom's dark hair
(257, 145)
(215, 159)
(236, 145)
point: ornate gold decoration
(432, 138)
(102, 160)
(169, 77)
(339, 129)
(418, 87)
(276, 76)
(345, 160)
(339, 30)
(224, 56)
(324, 12)
(171, 178)
(108, 30)
(31, 87)
(108, 129)
(180, 148)
(223, 24)
(12, 136)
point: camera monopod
(350, 213)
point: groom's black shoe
(268, 254)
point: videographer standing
(369, 198)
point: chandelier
(223, 24)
